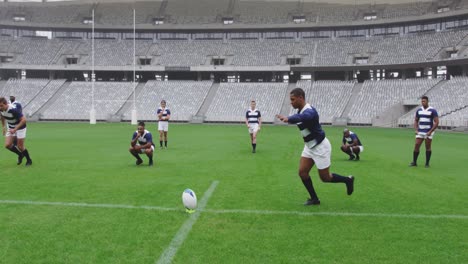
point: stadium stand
(210, 12)
(42, 97)
(196, 12)
(23, 90)
(329, 98)
(256, 12)
(409, 48)
(376, 96)
(74, 103)
(183, 97)
(233, 99)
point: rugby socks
(165, 143)
(26, 154)
(428, 156)
(150, 158)
(160, 143)
(310, 188)
(415, 156)
(349, 152)
(14, 149)
(254, 146)
(339, 178)
(134, 154)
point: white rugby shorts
(19, 133)
(142, 151)
(253, 128)
(424, 135)
(320, 153)
(163, 126)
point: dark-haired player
(426, 122)
(351, 144)
(16, 129)
(142, 143)
(317, 148)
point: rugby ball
(189, 199)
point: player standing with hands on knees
(142, 143)
(253, 120)
(164, 114)
(317, 148)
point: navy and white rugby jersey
(13, 116)
(145, 138)
(307, 120)
(351, 138)
(425, 118)
(252, 116)
(18, 106)
(165, 113)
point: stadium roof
(349, 2)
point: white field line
(181, 235)
(241, 211)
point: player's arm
(21, 123)
(302, 117)
(435, 126)
(355, 140)
(134, 139)
(149, 142)
(259, 120)
(415, 124)
(159, 113)
(168, 116)
(3, 126)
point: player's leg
(24, 151)
(305, 165)
(254, 140)
(149, 153)
(165, 138)
(161, 138)
(9, 144)
(347, 149)
(356, 151)
(11, 147)
(322, 158)
(135, 154)
(428, 142)
(417, 146)
(326, 176)
(21, 137)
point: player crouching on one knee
(142, 143)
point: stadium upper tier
(215, 12)
(405, 49)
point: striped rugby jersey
(12, 116)
(252, 116)
(425, 118)
(307, 120)
(145, 138)
(165, 113)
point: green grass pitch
(97, 198)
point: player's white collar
(307, 106)
(250, 109)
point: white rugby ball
(189, 199)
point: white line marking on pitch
(119, 206)
(240, 211)
(179, 238)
